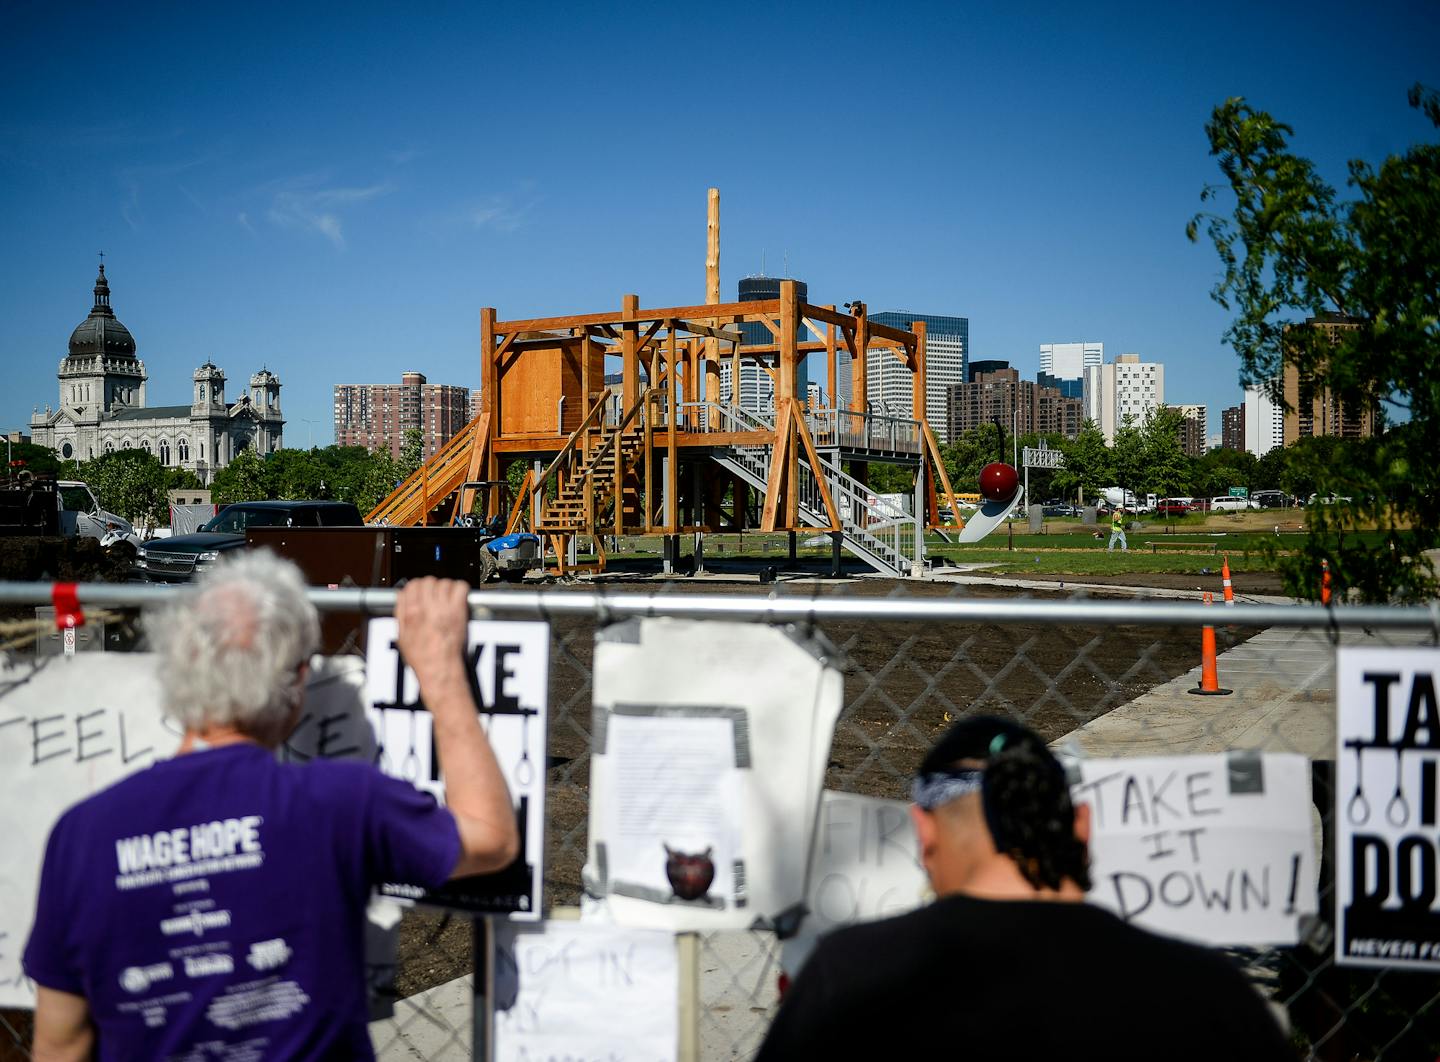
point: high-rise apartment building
(1232, 427)
(1126, 390)
(974, 368)
(1312, 410)
(1194, 428)
(1264, 421)
(1067, 362)
(757, 387)
(947, 350)
(1020, 405)
(376, 415)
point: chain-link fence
(1105, 676)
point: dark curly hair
(1028, 809)
(1025, 795)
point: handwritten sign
(580, 991)
(865, 866)
(1218, 849)
(1388, 807)
(509, 672)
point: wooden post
(858, 368)
(490, 404)
(830, 363)
(785, 392)
(917, 377)
(630, 363)
(672, 448)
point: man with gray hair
(231, 920)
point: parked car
(1059, 509)
(1270, 499)
(1228, 504)
(177, 559)
(1172, 507)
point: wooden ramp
(416, 500)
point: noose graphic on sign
(1397, 812)
(1358, 809)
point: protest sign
(1218, 849)
(706, 775)
(1387, 807)
(509, 671)
(578, 990)
(865, 866)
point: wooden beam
(629, 351)
(741, 311)
(489, 379)
(714, 332)
(775, 478)
(933, 449)
(830, 366)
(819, 472)
(919, 405)
(899, 335)
(859, 345)
(672, 450)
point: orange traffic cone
(1225, 580)
(1209, 674)
(1324, 582)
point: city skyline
(283, 211)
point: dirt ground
(904, 682)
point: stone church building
(102, 404)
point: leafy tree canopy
(1291, 249)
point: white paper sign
(509, 667)
(751, 709)
(68, 728)
(1217, 849)
(1387, 810)
(573, 990)
(866, 865)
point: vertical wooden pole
(830, 361)
(490, 403)
(630, 363)
(785, 385)
(672, 448)
(858, 368)
(917, 377)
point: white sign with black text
(509, 665)
(1218, 848)
(578, 990)
(1387, 813)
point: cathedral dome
(101, 333)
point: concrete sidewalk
(1283, 701)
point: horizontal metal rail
(794, 608)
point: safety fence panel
(1099, 676)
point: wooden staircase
(592, 482)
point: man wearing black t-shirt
(1009, 962)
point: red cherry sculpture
(999, 481)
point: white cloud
(301, 204)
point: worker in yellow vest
(1117, 530)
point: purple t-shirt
(213, 906)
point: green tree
(182, 479)
(1127, 457)
(36, 458)
(412, 451)
(129, 483)
(1166, 468)
(243, 479)
(1088, 464)
(1219, 469)
(1291, 250)
(295, 474)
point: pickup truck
(179, 558)
(38, 504)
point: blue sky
(334, 192)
